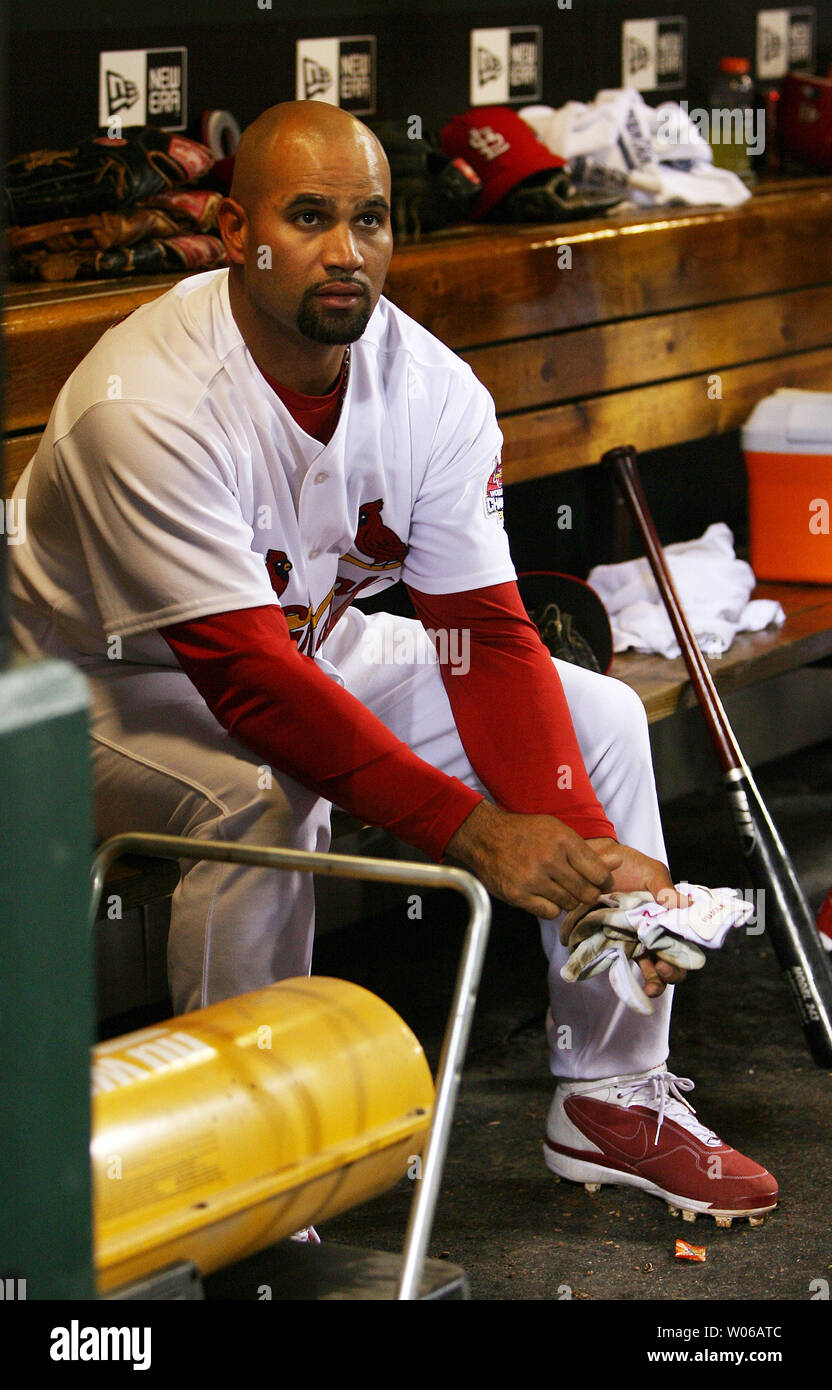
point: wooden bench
(652, 328)
(620, 346)
(805, 637)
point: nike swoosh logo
(630, 1141)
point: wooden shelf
(806, 636)
(620, 347)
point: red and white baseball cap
(502, 149)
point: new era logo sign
(802, 39)
(670, 52)
(339, 71)
(489, 66)
(772, 44)
(653, 53)
(148, 83)
(785, 40)
(121, 93)
(505, 65)
(316, 79)
(639, 56)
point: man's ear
(233, 224)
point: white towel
(714, 588)
(659, 149)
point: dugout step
(293, 1270)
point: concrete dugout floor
(517, 1232)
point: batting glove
(615, 932)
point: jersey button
(313, 554)
(321, 477)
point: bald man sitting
(220, 477)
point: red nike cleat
(639, 1131)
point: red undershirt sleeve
(509, 707)
(280, 705)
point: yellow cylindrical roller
(224, 1130)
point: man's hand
(631, 871)
(541, 865)
(530, 861)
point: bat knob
(621, 454)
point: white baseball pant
(163, 764)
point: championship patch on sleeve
(493, 499)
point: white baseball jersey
(172, 482)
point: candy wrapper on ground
(684, 1251)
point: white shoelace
(665, 1097)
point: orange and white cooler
(787, 441)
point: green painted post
(46, 981)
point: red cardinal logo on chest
(278, 567)
(375, 539)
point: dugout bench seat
(588, 335)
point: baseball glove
(561, 638)
(554, 197)
(569, 616)
(100, 174)
(158, 232)
(429, 190)
(152, 256)
(615, 932)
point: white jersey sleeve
(158, 516)
(457, 539)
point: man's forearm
(285, 709)
(510, 709)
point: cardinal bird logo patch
(373, 539)
(494, 491)
(278, 568)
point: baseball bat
(789, 919)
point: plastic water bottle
(731, 130)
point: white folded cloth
(714, 588)
(659, 150)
